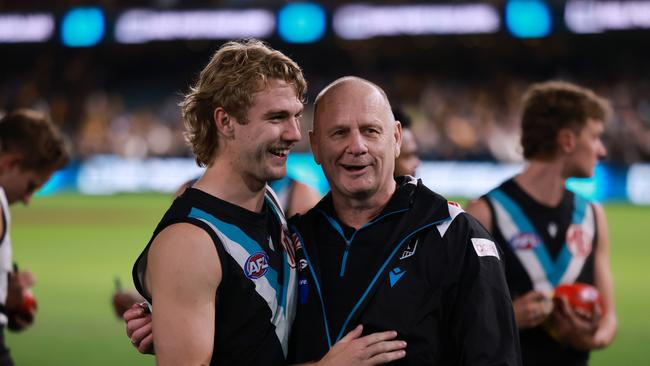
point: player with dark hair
(31, 149)
(408, 161)
(550, 235)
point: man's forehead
(353, 108)
(279, 96)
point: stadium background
(457, 68)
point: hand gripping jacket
(423, 268)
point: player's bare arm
(604, 283)
(183, 273)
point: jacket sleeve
(481, 319)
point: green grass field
(77, 245)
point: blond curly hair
(236, 71)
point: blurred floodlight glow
(142, 25)
(82, 27)
(638, 184)
(19, 28)
(367, 21)
(301, 22)
(528, 18)
(583, 16)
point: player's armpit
(183, 274)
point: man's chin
(276, 174)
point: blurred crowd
(462, 95)
(452, 119)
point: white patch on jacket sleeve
(485, 247)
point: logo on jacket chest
(410, 250)
(256, 265)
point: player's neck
(224, 182)
(543, 181)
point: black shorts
(5, 357)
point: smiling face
(356, 140)
(261, 145)
(587, 150)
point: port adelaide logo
(256, 265)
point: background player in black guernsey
(549, 234)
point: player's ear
(314, 145)
(224, 122)
(566, 140)
(398, 138)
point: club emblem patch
(525, 241)
(256, 265)
(578, 241)
(290, 243)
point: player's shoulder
(181, 234)
(480, 210)
(3, 221)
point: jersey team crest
(578, 241)
(290, 244)
(525, 241)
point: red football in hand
(581, 297)
(29, 303)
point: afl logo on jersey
(578, 241)
(256, 265)
(525, 241)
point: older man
(392, 254)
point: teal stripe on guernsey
(524, 225)
(579, 209)
(561, 264)
(235, 234)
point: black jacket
(415, 269)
